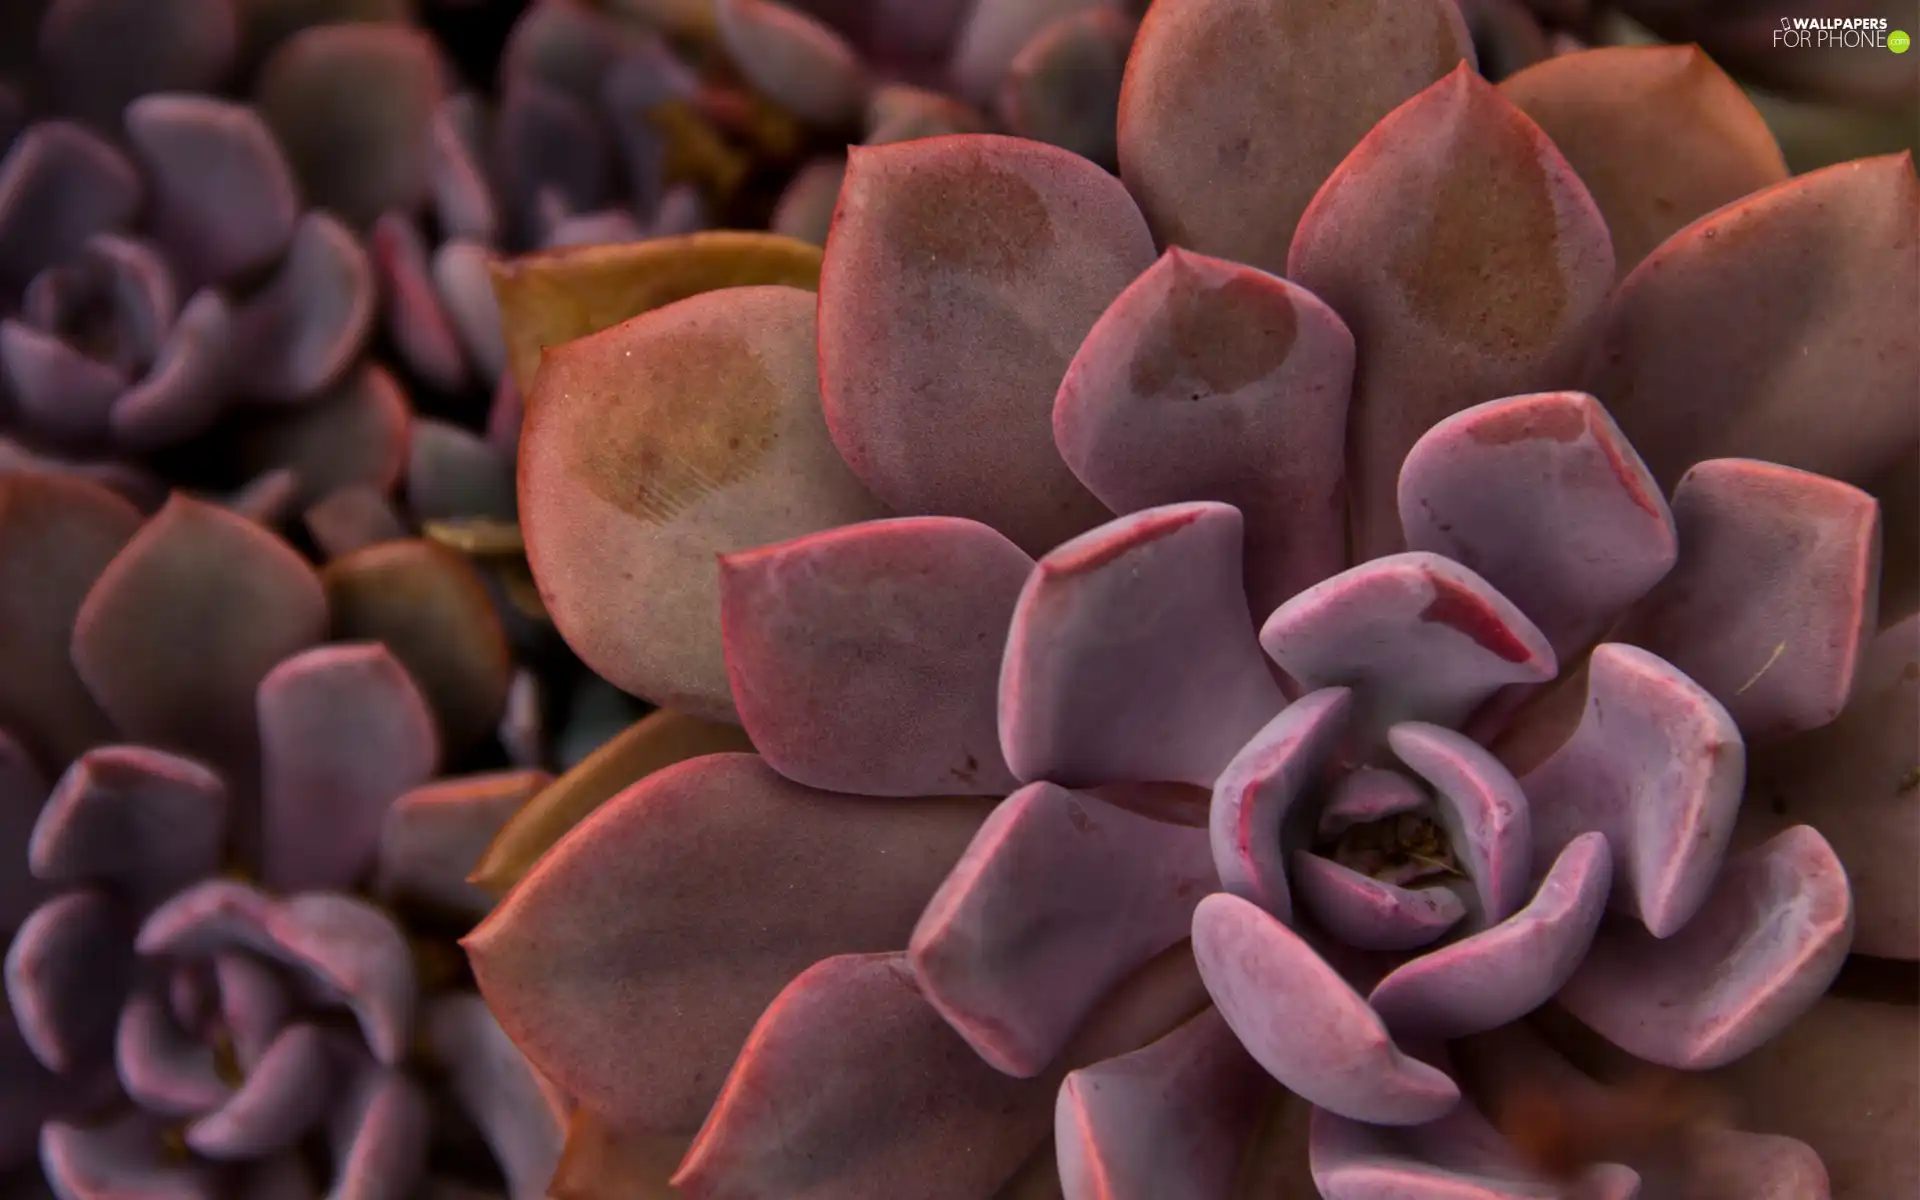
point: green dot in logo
(1898, 41)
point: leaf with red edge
(1458, 1157)
(354, 436)
(1305, 1024)
(633, 959)
(68, 970)
(1234, 112)
(867, 659)
(1207, 380)
(283, 1096)
(1468, 260)
(715, 445)
(851, 1087)
(1059, 898)
(145, 821)
(433, 836)
(1171, 1119)
(1785, 328)
(515, 1109)
(1770, 937)
(1659, 134)
(1857, 781)
(1543, 498)
(1132, 657)
(961, 274)
(125, 1155)
(301, 332)
(61, 184)
(1775, 595)
(1063, 88)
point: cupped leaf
(1468, 260)
(190, 382)
(60, 184)
(125, 1154)
(993, 34)
(301, 332)
(1371, 914)
(1063, 88)
(422, 333)
(552, 298)
(867, 659)
(1234, 112)
(495, 1085)
(354, 436)
(142, 820)
(96, 56)
(68, 970)
(434, 835)
(1482, 809)
(961, 275)
(1659, 134)
(283, 1096)
(164, 1068)
(1254, 799)
(1461, 1156)
(632, 961)
(379, 1133)
(716, 445)
(794, 60)
(1206, 380)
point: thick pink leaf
(961, 275)
(147, 822)
(1482, 809)
(68, 970)
(1469, 262)
(1370, 914)
(634, 958)
(1132, 656)
(123, 1156)
(1063, 88)
(1254, 799)
(59, 185)
(422, 333)
(1543, 498)
(487, 1075)
(379, 1132)
(285, 1094)
(995, 33)
(188, 387)
(435, 835)
(1458, 1157)
(166, 1069)
(1775, 596)
(354, 436)
(1059, 898)
(1235, 111)
(1771, 936)
(301, 332)
(1206, 380)
(1305, 1024)
(867, 659)
(718, 445)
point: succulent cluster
(1397, 572)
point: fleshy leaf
(1171, 1119)
(96, 57)
(495, 1085)
(618, 932)
(549, 299)
(1743, 335)
(794, 60)
(1458, 1157)
(1235, 111)
(126, 1155)
(1656, 764)
(852, 1087)
(164, 1068)
(1305, 1024)
(435, 834)
(422, 333)
(1542, 497)
(718, 446)
(1206, 380)
(867, 659)
(352, 518)
(961, 275)
(1469, 262)
(455, 474)
(1482, 809)
(68, 970)
(284, 1095)
(1659, 134)
(1131, 656)
(1371, 914)
(1500, 974)
(379, 1133)
(190, 382)
(59, 393)
(1063, 88)
(145, 821)
(60, 184)
(303, 330)
(1771, 936)
(1059, 897)
(1775, 596)
(356, 435)
(463, 279)
(344, 732)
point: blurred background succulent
(1616, 684)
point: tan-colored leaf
(603, 1163)
(554, 297)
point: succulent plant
(1587, 688)
(229, 913)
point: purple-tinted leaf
(466, 295)
(142, 820)
(208, 919)
(852, 1087)
(435, 834)
(221, 195)
(266, 499)
(1254, 798)
(354, 436)
(608, 225)
(97, 55)
(59, 185)
(301, 332)
(285, 1094)
(190, 383)
(166, 1070)
(1132, 657)
(1500, 974)
(379, 1135)
(1482, 809)
(454, 474)
(1469, 262)
(114, 300)
(1659, 134)
(1775, 596)
(1206, 380)
(1305, 1024)
(867, 659)
(620, 931)
(1172, 1119)
(1781, 328)
(1063, 88)
(1458, 1157)
(1418, 637)
(805, 210)
(898, 113)
(942, 342)
(799, 63)
(995, 33)
(358, 957)
(1371, 914)
(463, 203)
(1770, 937)
(1058, 899)
(1235, 111)
(255, 1004)
(499, 1090)
(505, 413)
(58, 392)
(125, 1155)
(1656, 764)
(68, 970)
(422, 334)
(352, 518)
(344, 732)
(1542, 497)
(23, 791)
(550, 151)
(728, 415)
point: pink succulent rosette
(1403, 559)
